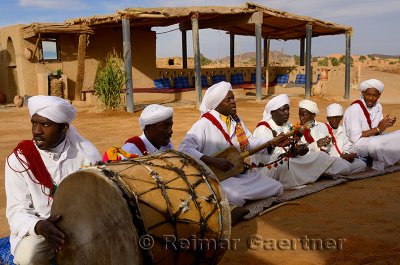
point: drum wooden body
(162, 209)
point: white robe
(133, 149)
(302, 169)
(345, 146)
(26, 203)
(204, 138)
(383, 148)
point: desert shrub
(110, 79)
(323, 62)
(334, 61)
(362, 58)
(204, 60)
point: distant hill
(384, 56)
(274, 56)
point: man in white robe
(215, 131)
(365, 126)
(156, 122)
(32, 173)
(318, 138)
(303, 169)
(340, 145)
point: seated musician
(365, 126)
(304, 167)
(318, 138)
(32, 173)
(340, 145)
(219, 128)
(156, 123)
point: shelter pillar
(184, 49)
(126, 36)
(347, 71)
(302, 45)
(80, 75)
(267, 42)
(232, 50)
(258, 28)
(308, 61)
(196, 52)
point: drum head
(96, 221)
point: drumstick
(277, 206)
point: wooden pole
(302, 44)
(308, 61)
(232, 50)
(184, 50)
(258, 61)
(196, 52)
(80, 75)
(347, 73)
(126, 36)
(267, 44)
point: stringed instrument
(237, 158)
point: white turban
(334, 110)
(375, 83)
(154, 113)
(274, 104)
(59, 110)
(309, 105)
(53, 108)
(214, 95)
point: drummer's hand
(48, 229)
(219, 163)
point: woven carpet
(257, 207)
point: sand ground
(353, 223)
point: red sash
(307, 136)
(34, 163)
(266, 124)
(217, 124)
(333, 137)
(364, 109)
(136, 140)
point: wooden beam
(308, 61)
(258, 61)
(126, 38)
(196, 53)
(226, 20)
(347, 71)
(80, 75)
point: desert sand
(358, 222)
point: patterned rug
(257, 207)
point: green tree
(204, 60)
(323, 62)
(342, 59)
(109, 81)
(334, 61)
(362, 58)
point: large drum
(161, 209)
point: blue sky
(376, 24)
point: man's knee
(33, 250)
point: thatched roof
(236, 20)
